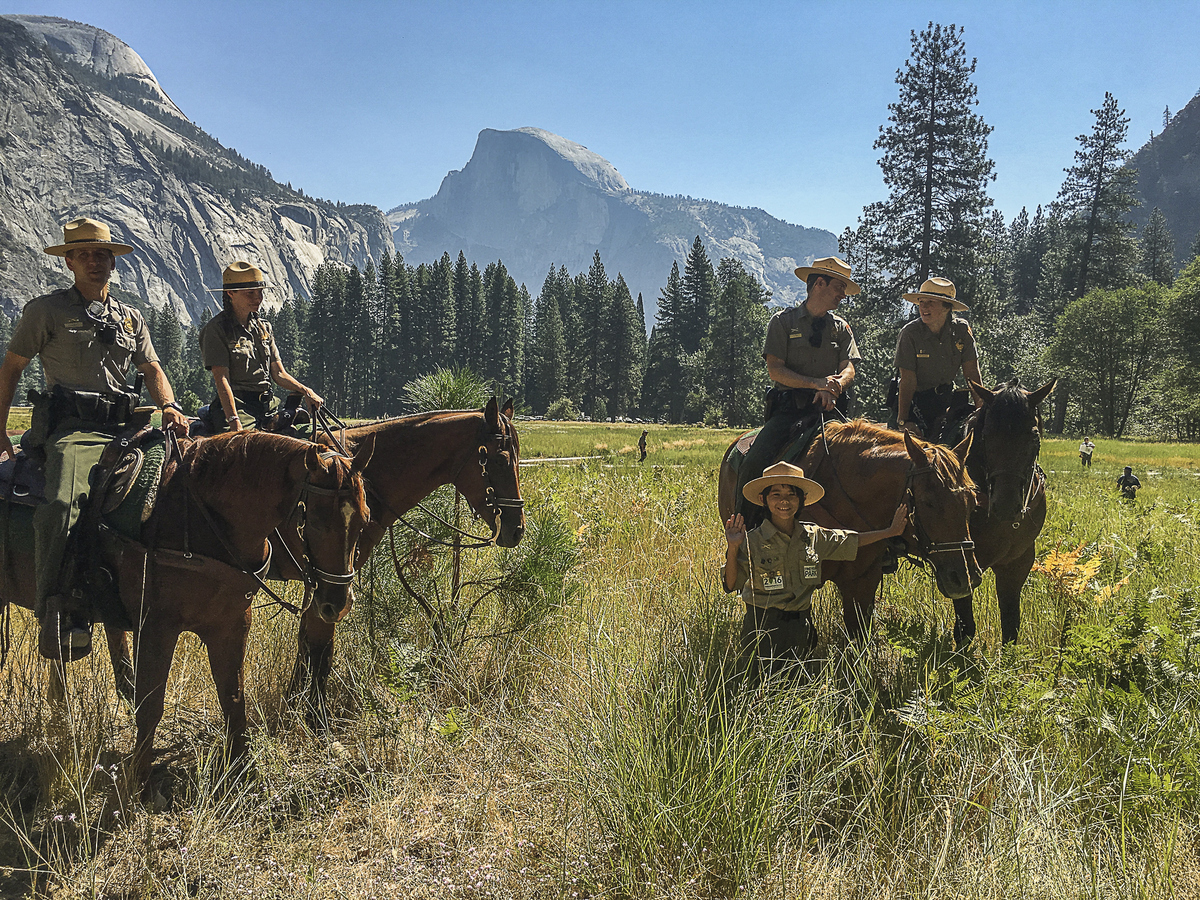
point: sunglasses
(818, 331)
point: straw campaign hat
(240, 276)
(83, 232)
(938, 289)
(833, 267)
(783, 473)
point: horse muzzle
(332, 605)
(511, 529)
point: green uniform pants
(71, 452)
(767, 445)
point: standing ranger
(86, 340)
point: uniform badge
(129, 324)
(772, 581)
(810, 573)
(960, 345)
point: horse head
(332, 512)
(1008, 438)
(940, 497)
(492, 484)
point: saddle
(799, 440)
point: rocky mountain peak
(95, 50)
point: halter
(926, 546)
(312, 574)
(493, 503)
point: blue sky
(766, 104)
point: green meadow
(580, 730)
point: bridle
(1036, 478)
(924, 544)
(492, 502)
(312, 574)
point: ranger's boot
(63, 636)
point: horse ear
(362, 454)
(491, 414)
(312, 460)
(1042, 393)
(915, 452)
(964, 447)
(982, 394)
(508, 408)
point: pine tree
(936, 168)
(594, 353)
(699, 296)
(663, 389)
(734, 374)
(1158, 249)
(626, 351)
(1099, 190)
(547, 349)
(167, 336)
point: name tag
(921, 355)
(772, 581)
(810, 573)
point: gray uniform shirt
(246, 352)
(781, 571)
(788, 339)
(936, 358)
(56, 327)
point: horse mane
(222, 466)
(877, 442)
(414, 420)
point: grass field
(581, 734)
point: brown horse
(205, 543)
(1006, 439)
(477, 451)
(867, 471)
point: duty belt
(264, 397)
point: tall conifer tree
(1158, 249)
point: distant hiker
(238, 347)
(777, 565)
(86, 340)
(930, 353)
(642, 446)
(810, 354)
(1085, 453)
(1129, 484)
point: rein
(927, 547)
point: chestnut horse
(867, 471)
(477, 451)
(206, 543)
(1006, 439)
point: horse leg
(858, 600)
(156, 648)
(314, 658)
(122, 661)
(1010, 578)
(227, 659)
(964, 620)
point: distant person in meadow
(1085, 453)
(930, 353)
(1129, 484)
(810, 354)
(238, 347)
(642, 446)
(777, 565)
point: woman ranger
(930, 353)
(777, 565)
(239, 349)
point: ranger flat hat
(938, 288)
(84, 232)
(240, 276)
(834, 268)
(783, 473)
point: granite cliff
(1168, 168)
(534, 199)
(86, 129)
